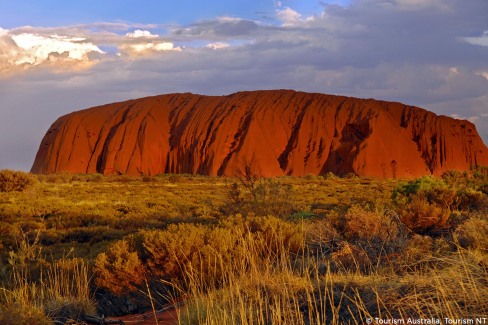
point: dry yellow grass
(312, 250)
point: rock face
(277, 132)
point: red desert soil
(168, 317)
(278, 132)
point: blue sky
(56, 13)
(60, 56)
(16, 13)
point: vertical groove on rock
(292, 141)
(102, 159)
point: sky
(61, 56)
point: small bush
(424, 205)
(418, 248)
(351, 258)
(17, 314)
(276, 234)
(321, 236)
(181, 248)
(470, 200)
(422, 217)
(11, 181)
(362, 224)
(472, 234)
(149, 179)
(483, 188)
(120, 269)
(167, 251)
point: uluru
(278, 132)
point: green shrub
(424, 204)
(11, 181)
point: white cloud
(140, 49)
(472, 119)
(26, 50)
(288, 16)
(138, 33)
(481, 40)
(143, 46)
(36, 49)
(484, 74)
(217, 45)
(227, 19)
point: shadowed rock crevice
(284, 132)
(293, 141)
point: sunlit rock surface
(277, 132)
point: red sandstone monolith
(278, 132)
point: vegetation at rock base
(14, 181)
(309, 250)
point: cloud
(138, 33)
(478, 40)
(221, 29)
(143, 46)
(217, 45)
(288, 16)
(472, 119)
(35, 49)
(26, 50)
(418, 53)
(140, 49)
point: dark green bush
(11, 180)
